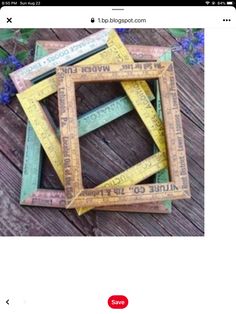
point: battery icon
(229, 2)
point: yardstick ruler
(114, 72)
(138, 52)
(87, 123)
(134, 174)
(137, 194)
(163, 175)
(67, 76)
(56, 199)
(46, 47)
(31, 173)
(34, 104)
(29, 100)
(174, 132)
(30, 192)
(139, 99)
(70, 54)
(136, 94)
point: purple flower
(185, 43)
(122, 30)
(5, 98)
(9, 87)
(8, 90)
(199, 36)
(198, 56)
(192, 47)
(14, 61)
(3, 61)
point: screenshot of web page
(117, 160)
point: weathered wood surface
(105, 152)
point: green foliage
(182, 32)
(194, 30)
(20, 35)
(178, 32)
(24, 34)
(3, 53)
(12, 61)
(22, 55)
(191, 42)
(6, 71)
(17, 36)
(6, 34)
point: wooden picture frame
(111, 193)
(52, 198)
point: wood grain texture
(106, 152)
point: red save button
(118, 302)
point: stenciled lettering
(65, 145)
(158, 188)
(95, 68)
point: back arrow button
(7, 302)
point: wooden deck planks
(108, 150)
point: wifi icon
(207, 2)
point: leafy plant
(191, 43)
(6, 34)
(13, 61)
(20, 35)
(178, 32)
(3, 53)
